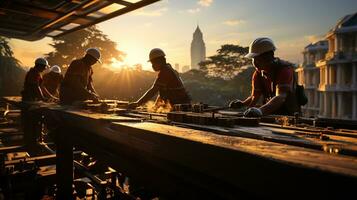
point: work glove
(236, 104)
(253, 112)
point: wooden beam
(135, 6)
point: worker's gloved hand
(236, 104)
(133, 105)
(253, 112)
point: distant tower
(177, 67)
(185, 68)
(198, 49)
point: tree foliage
(227, 62)
(11, 73)
(5, 49)
(216, 90)
(129, 84)
(73, 45)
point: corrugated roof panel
(35, 19)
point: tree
(11, 73)
(73, 45)
(227, 62)
(5, 49)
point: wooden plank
(154, 127)
(11, 149)
(336, 132)
(208, 118)
(206, 155)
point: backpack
(299, 90)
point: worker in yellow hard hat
(168, 83)
(273, 79)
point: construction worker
(77, 84)
(273, 80)
(168, 83)
(33, 80)
(52, 81)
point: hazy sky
(169, 24)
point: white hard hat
(56, 69)
(259, 46)
(155, 53)
(95, 53)
(41, 61)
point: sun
(116, 64)
(134, 56)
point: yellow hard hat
(155, 53)
(259, 46)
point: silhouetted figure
(77, 84)
(32, 86)
(168, 83)
(274, 80)
(52, 81)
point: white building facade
(309, 76)
(337, 85)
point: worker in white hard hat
(273, 79)
(77, 84)
(168, 83)
(52, 81)
(32, 85)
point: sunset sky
(169, 24)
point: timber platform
(204, 154)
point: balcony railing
(341, 55)
(330, 55)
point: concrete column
(354, 75)
(355, 50)
(331, 74)
(306, 77)
(338, 43)
(356, 43)
(333, 105)
(327, 82)
(354, 106)
(341, 44)
(339, 105)
(339, 75)
(326, 112)
(321, 106)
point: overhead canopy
(35, 19)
